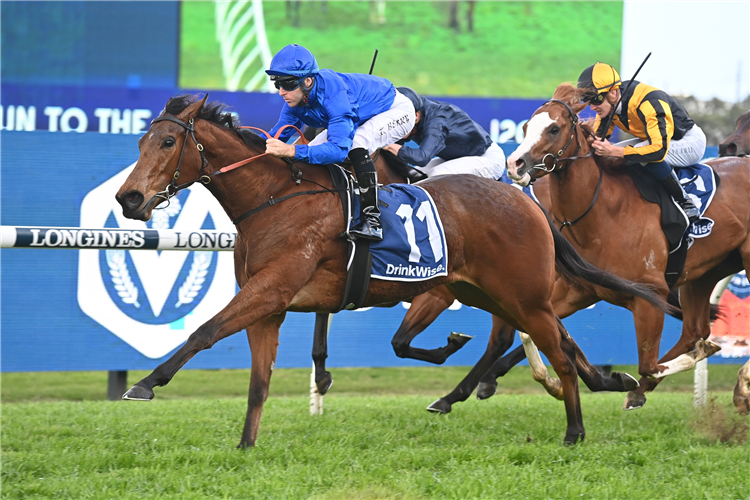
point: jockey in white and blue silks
(362, 113)
(449, 141)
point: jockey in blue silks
(362, 113)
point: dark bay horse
(289, 257)
(738, 144)
(621, 231)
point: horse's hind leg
(741, 397)
(694, 297)
(323, 378)
(425, 308)
(549, 334)
(264, 341)
(500, 341)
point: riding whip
(612, 115)
(372, 66)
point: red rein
(245, 162)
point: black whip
(614, 109)
(372, 66)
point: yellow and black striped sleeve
(656, 125)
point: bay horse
(425, 308)
(738, 144)
(289, 256)
(614, 228)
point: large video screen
(482, 49)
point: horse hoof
(634, 401)
(459, 339)
(742, 405)
(139, 393)
(629, 383)
(574, 438)
(486, 390)
(324, 384)
(440, 406)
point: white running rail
(245, 54)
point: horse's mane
(215, 112)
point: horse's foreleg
(501, 339)
(264, 341)
(553, 386)
(323, 378)
(741, 397)
(593, 378)
(248, 306)
(425, 308)
(488, 385)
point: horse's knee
(400, 347)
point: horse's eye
(554, 130)
(168, 142)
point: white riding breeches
(490, 165)
(383, 129)
(687, 151)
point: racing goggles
(287, 83)
(593, 99)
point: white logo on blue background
(151, 299)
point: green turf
(366, 447)
(517, 49)
(374, 441)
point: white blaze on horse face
(534, 129)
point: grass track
(373, 445)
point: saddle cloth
(700, 183)
(414, 246)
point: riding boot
(370, 227)
(672, 184)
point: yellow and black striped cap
(601, 76)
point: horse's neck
(573, 192)
(247, 186)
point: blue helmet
(293, 60)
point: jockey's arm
(432, 144)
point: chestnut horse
(738, 144)
(620, 231)
(289, 256)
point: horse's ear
(192, 111)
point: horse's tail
(570, 264)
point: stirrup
(368, 231)
(692, 212)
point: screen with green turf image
(473, 49)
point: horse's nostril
(131, 199)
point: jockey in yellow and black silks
(665, 135)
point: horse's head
(550, 136)
(167, 151)
(738, 144)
